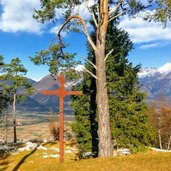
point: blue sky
(21, 36)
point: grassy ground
(34, 161)
(32, 126)
(28, 132)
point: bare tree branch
(98, 12)
(108, 54)
(82, 22)
(115, 8)
(89, 62)
(90, 73)
(118, 15)
(92, 13)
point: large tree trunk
(14, 117)
(104, 134)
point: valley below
(30, 126)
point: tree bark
(104, 134)
(14, 117)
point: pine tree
(128, 112)
(102, 13)
(4, 113)
(4, 100)
(86, 125)
(16, 86)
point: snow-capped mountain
(156, 81)
(165, 69)
(151, 71)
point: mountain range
(154, 81)
(44, 103)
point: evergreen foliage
(86, 125)
(14, 79)
(1, 62)
(3, 101)
(56, 60)
(129, 122)
(3, 97)
(162, 12)
(102, 13)
(15, 86)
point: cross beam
(61, 92)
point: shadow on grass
(4, 164)
(24, 158)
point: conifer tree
(128, 112)
(4, 100)
(4, 112)
(161, 12)
(102, 12)
(16, 86)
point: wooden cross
(61, 93)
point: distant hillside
(154, 81)
(39, 102)
(31, 81)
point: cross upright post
(61, 92)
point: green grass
(35, 134)
(20, 129)
(34, 161)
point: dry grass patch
(34, 161)
(30, 131)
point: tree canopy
(162, 11)
(126, 102)
(15, 85)
(102, 12)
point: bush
(54, 127)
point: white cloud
(150, 45)
(55, 30)
(79, 68)
(80, 10)
(59, 12)
(17, 16)
(143, 31)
